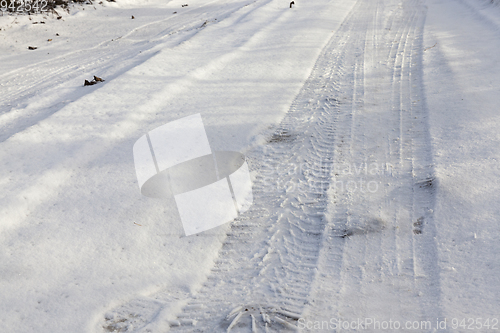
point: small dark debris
(292, 3)
(32, 47)
(281, 136)
(133, 17)
(332, 100)
(418, 226)
(57, 34)
(346, 233)
(59, 17)
(426, 183)
(49, 40)
(185, 5)
(94, 81)
(174, 13)
(428, 48)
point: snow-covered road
(371, 132)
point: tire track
(387, 259)
(261, 279)
(368, 253)
(282, 265)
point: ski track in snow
(362, 107)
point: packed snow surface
(371, 129)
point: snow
(81, 250)
(462, 77)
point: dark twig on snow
(94, 81)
